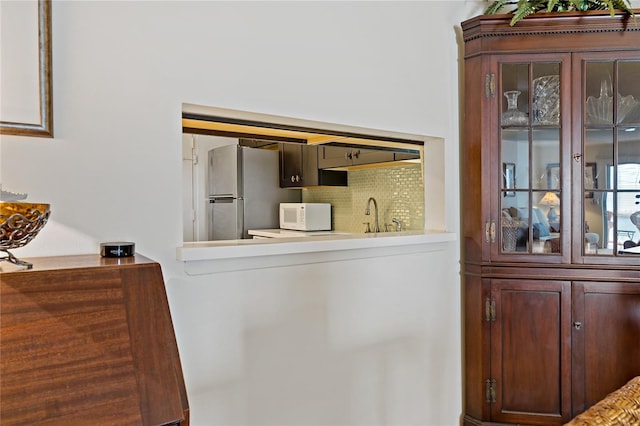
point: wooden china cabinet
(551, 178)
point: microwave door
(225, 218)
(289, 217)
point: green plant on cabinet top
(525, 8)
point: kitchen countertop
(288, 233)
(216, 256)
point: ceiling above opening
(233, 123)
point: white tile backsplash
(399, 192)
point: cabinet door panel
(371, 156)
(290, 165)
(532, 124)
(606, 346)
(607, 188)
(333, 156)
(337, 156)
(530, 358)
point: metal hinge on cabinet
(489, 85)
(489, 310)
(490, 391)
(490, 231)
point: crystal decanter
(512, 116)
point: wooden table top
(71, 262)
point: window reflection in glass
(612, 217)
(624, 206)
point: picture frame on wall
(553, 176)
(25, 69)
(590, 179)
(509, 178)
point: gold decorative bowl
(20, 222)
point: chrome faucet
(376, 226)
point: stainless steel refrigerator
(244, 191)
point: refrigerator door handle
(221, 199)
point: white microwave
(305, 216)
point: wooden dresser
(86, 340)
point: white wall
(369, 341)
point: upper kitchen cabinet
(551, 148)
(337, 156)
(299, 168)
(292, 158)
(342, 156)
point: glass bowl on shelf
(600, 110)
(546, 100)
(20, 222)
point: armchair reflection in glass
(635, 219)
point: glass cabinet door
(530, 139)
(610, 196)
